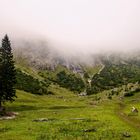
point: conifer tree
(7, 72)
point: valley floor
(71, 117)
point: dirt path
(103, 66)
(119, 111)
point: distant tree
(7, 72)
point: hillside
(109, 72)
(73, 76)
(115, 75)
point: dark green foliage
(70, 81)
(114, 75)
(89, 90)
(132, 90)
(28, 83)
(65, 78)
(7, 72)
(86, 75)
(128, 94)
(109, 96)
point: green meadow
(71, 117)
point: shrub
(70, 81)
(128, 94)
(28, 83)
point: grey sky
(86, 25)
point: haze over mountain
(73, 26)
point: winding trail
(133, 122)
(103, 66)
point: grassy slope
(62, 107)
(124, 111)
(29, 71)
(93, 70)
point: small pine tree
(7, 72)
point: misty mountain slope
(71, 76)
(44, 64)
(116, 74)
(96, 73)
(38, 54)
(60, 75)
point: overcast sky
(86, 25)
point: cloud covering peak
(74, 25)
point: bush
(115, 75)
(70, 81)
(128, 94)
(109, 97)
(29, 84)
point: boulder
(126, 134)
(134, 110)
(90, 130)
(83, 94)
(43, 120)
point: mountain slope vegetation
(114, 75)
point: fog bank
(74, 26)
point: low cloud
(73, 27)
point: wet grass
(73, 118)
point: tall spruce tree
(7, 72)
